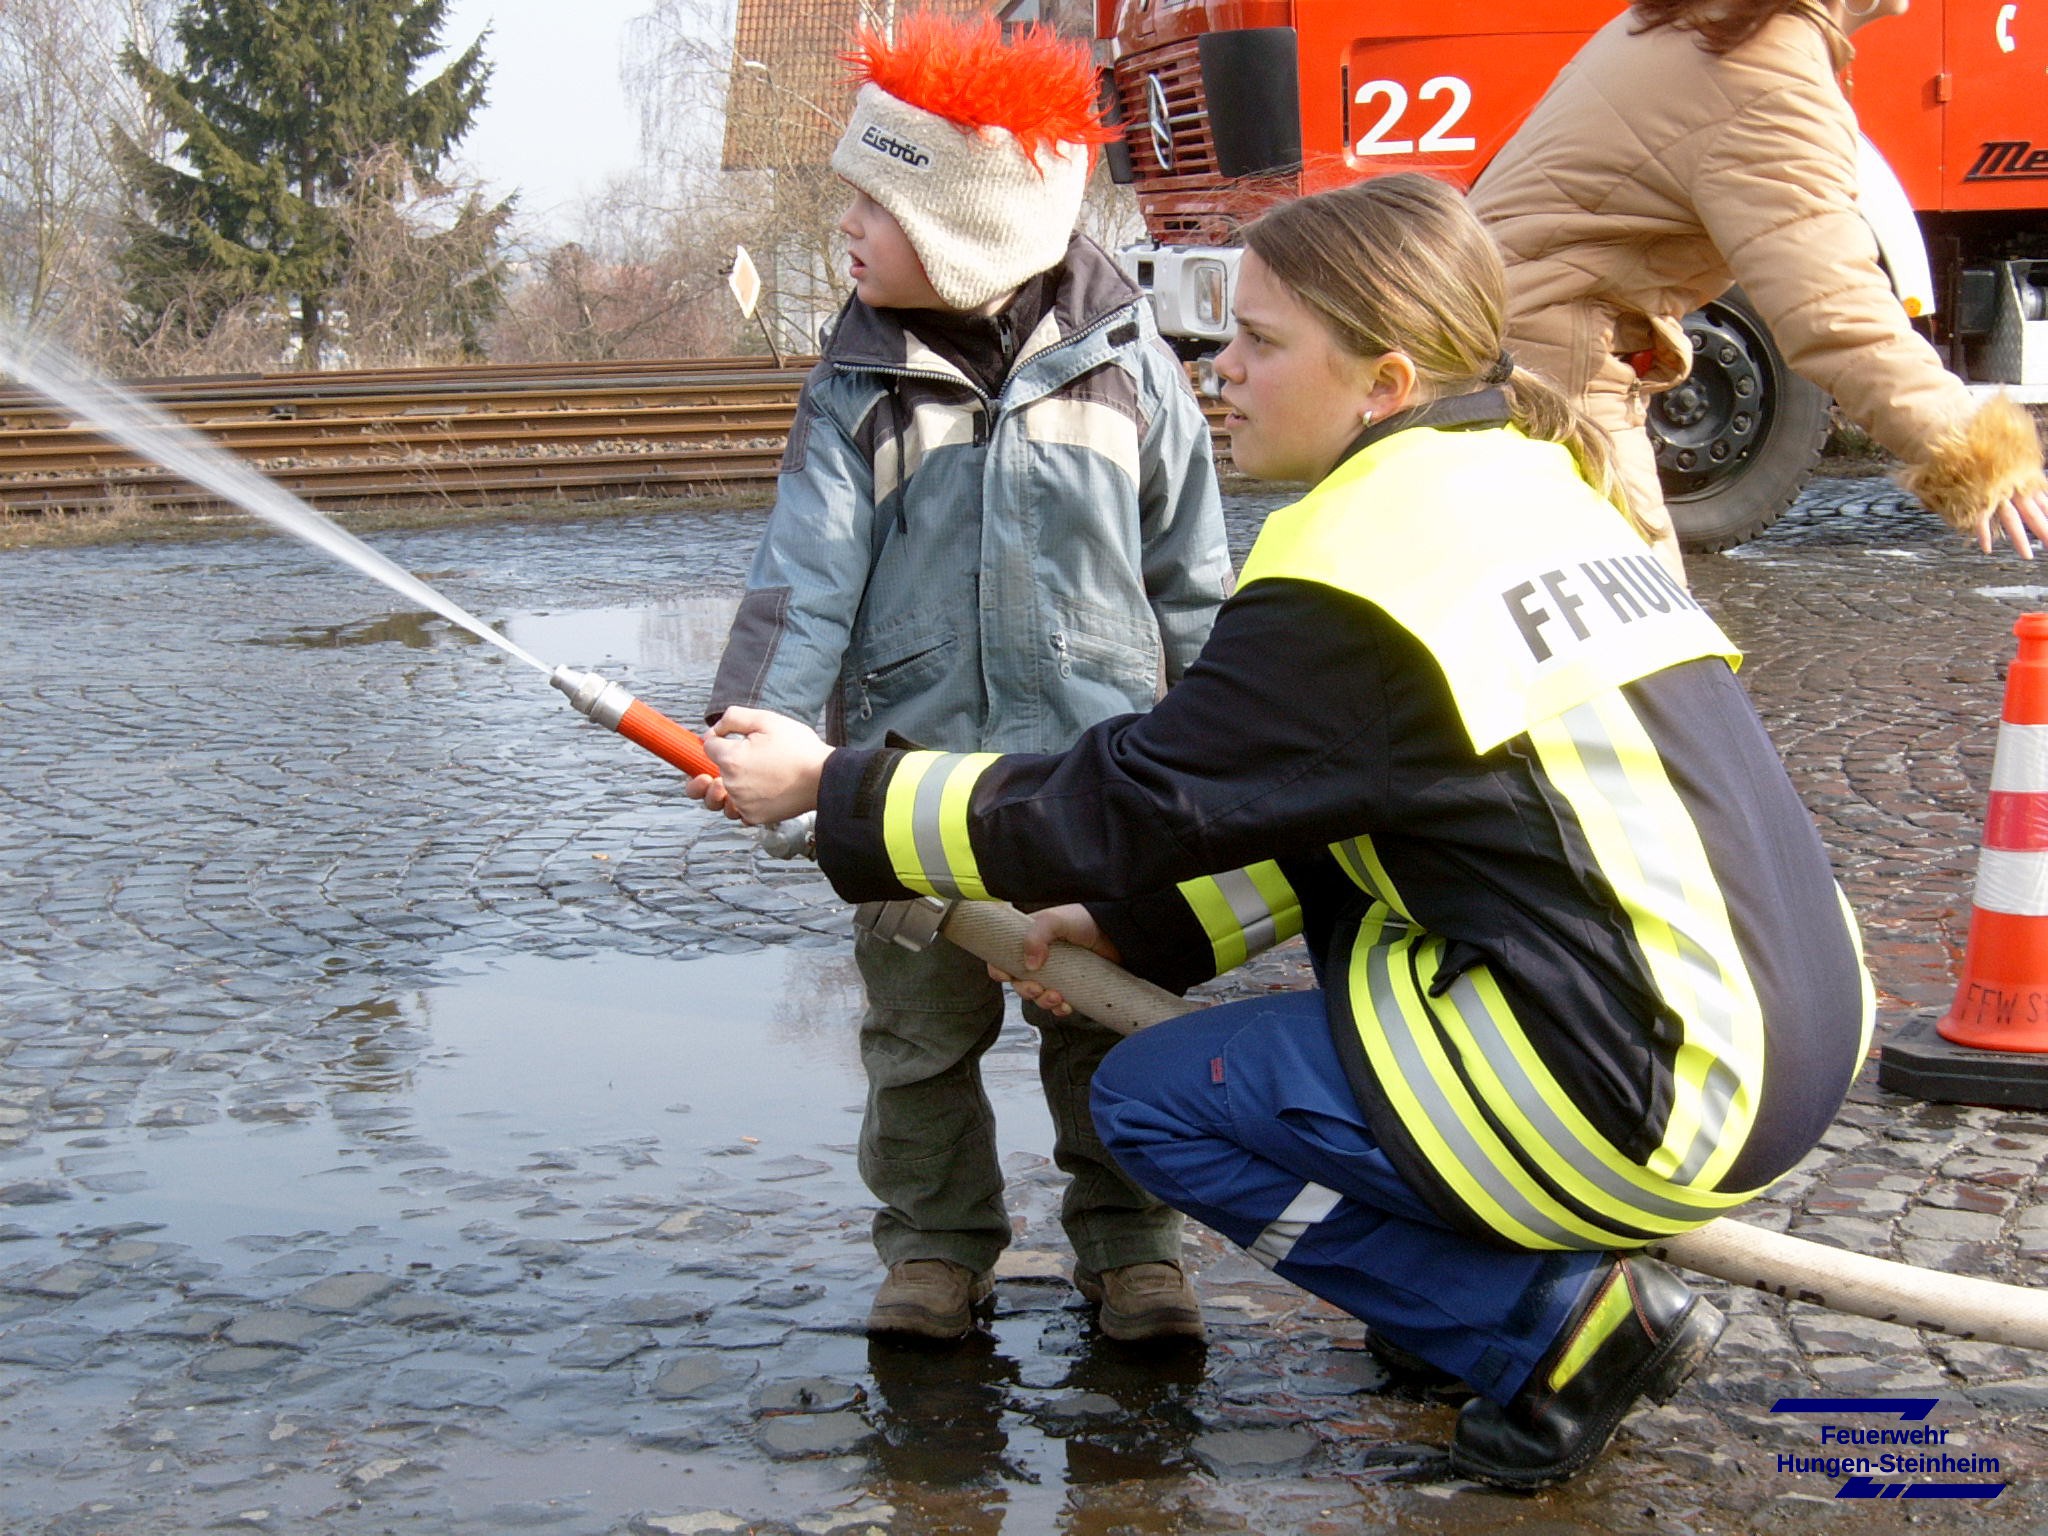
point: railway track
(474, 436)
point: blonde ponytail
(1542, 411)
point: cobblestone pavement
(415, 1116)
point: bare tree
(209, 328)
(1109, 213)
(761, 87)
(578, 304)
(424, 272)
(62, 94)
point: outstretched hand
(768, 767)
(2016, 518)
(1071, 924)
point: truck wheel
(1740, 436)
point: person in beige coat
(1695, 144)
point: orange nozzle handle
(668, 741)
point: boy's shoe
(932, 1298)
(1153, 1300)
(1639, 1333)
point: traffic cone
(1997, 1028)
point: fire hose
(1751, 1256)
(1747, 1255)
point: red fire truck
(1227, 105)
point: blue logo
(1869, 1476)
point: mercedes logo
(1158, 120)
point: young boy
(997, 523)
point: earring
(1863, 12)
(1365, 416)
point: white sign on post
(744, 280)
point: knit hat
(979, 148)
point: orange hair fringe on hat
(1038, 86)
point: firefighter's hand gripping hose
(1751, 1256)
(611, 706)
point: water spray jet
(154, 434)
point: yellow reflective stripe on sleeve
(1212, 910)
(1283, 907)
(1399, 1035)
(1243, 911)
(948, 824)
(899, 837)
(1353, 864)
(1601, 760)
(924, 822)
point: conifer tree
(278, 111)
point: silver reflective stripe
(924, 824)
(1558, 1141)
(1444, 1120)
(1249, 910)
(1349, 855)
(1709, 1025)
(1717, 1094)
(1273, 1245)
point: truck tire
(1736, 440)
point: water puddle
(520, 1079)
(571, 1098)
(560, 1149)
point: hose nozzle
(611, 706)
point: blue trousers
(1241, 1116)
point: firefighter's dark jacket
(1584, 958)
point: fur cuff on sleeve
(1992, 455)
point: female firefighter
(1585, 976)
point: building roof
(789, 95)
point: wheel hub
(1703, 427)
(1686, 405)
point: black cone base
(1919, 1063)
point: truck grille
(1178, 66)
(1190, 203)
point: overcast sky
(558, 122)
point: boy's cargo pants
(928, 1144)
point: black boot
(1639, 1333)
(1409, 1372)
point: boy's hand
(768, 765)
(702, 786)
(1075, 926)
